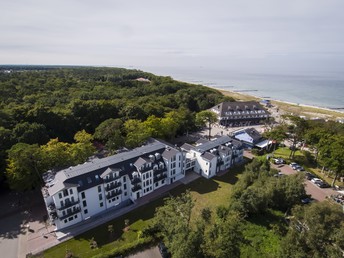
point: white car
(316, 180)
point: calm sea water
(322, 90)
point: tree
(296, 131)
(137, 133)
(30, 133)
(332, 155)
(173, 220)
(314, 231)
(222, 239)
(206, 117)
(24, 167)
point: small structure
(251, 138)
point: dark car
(309, 176)
(322, 184)
(306, 200)
(163, 250)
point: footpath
(39, 236)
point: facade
(77, 193)
(240, 113)
(208, 158)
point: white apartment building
(78, 193)
(210, 157)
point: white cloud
(151, 32)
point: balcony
(160, 177)
(53, 215)
(111, 178)
(136, 180)
(51, 207)
(68, 204)
(113, 194)
(136, 188)
(71, 213)
(112, 186)
(159, 171)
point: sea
(317, 89)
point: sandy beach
(307, 111)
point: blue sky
(259, 36)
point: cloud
(218, 33)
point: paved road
(152, 252)
(317, 193)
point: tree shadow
(11, 227)
(232, 176)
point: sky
(258, 36)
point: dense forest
(50, 115)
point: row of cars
(309, 176)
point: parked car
(293, 164)
(316, 180)
(322, 184)
(163, 250)
(306, 200)
(278, 161)
(279, 174)
(309, 175)
(300, 168)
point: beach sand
(309, 112)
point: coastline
(299, 109)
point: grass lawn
(205, 192)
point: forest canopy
(40, 103)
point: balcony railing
(111, 178)
(136, 188)
(159, 171)
(114, 194)
(136, 180)
(51, 207)
(160, 177)
(112, 186)
(68, 204)
(53, 215)
(71, 213)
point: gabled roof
(254, 134)
(214, 143)
(208, 156)
(91, 173)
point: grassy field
(205, 192)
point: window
(156, 184)
(70, 218)
(100, 197)
(60, 195)
(76, 216)
(65, 221)
(125, 193)
(84, 203)
(85, 211)
(71, 191)
(63, 213)
(101, 204)
(109, 201)
(125, 186)
(163, 181)
(65, 192)
(99, 188)
(61, 203)
(124, 179)
(83, 195)
(72, 198)
(89, 180)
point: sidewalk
(39, 237)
